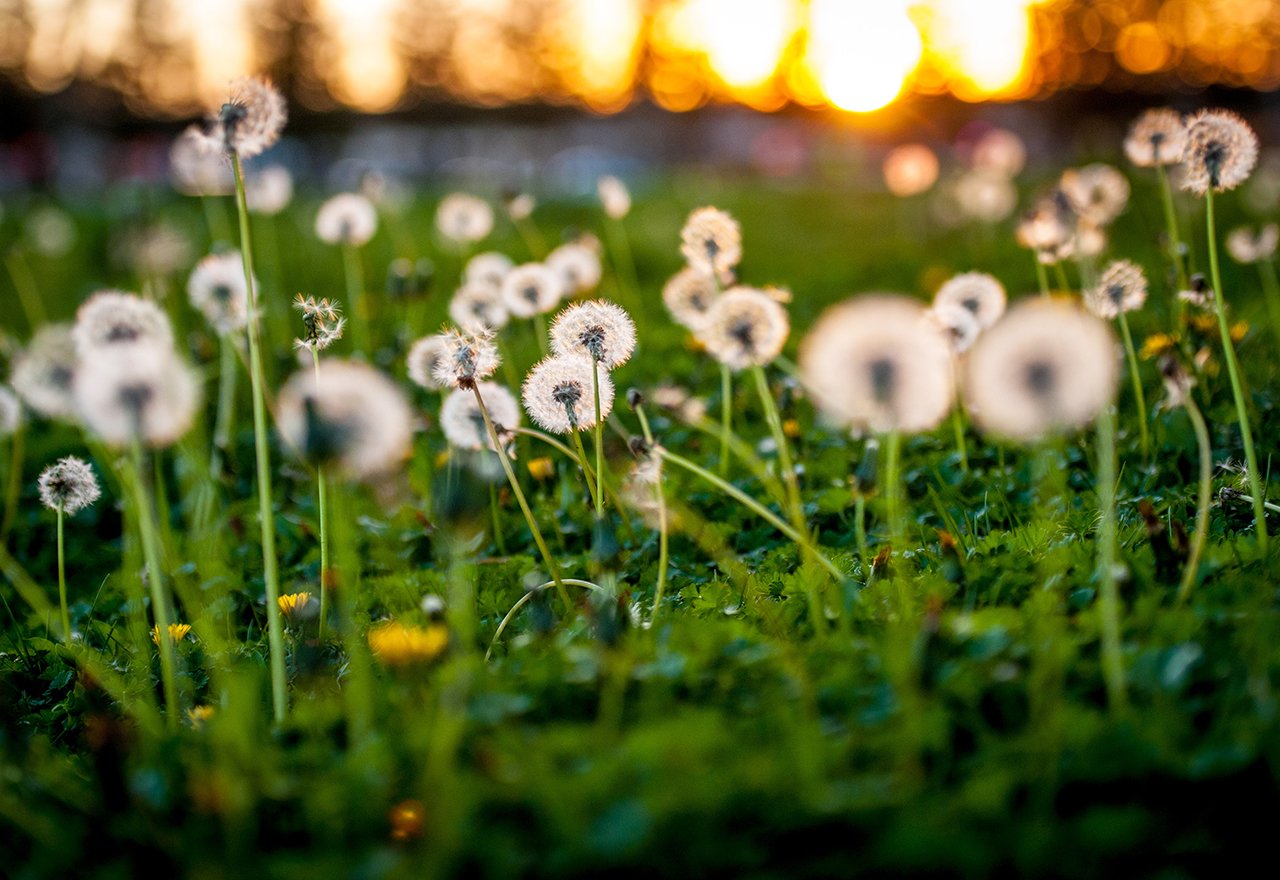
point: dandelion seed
(251, 120)
(463, 218)
(269, 190)
(1121, 288)
(69, 485)
(10, 412)
(599, 329)
(139, 392)
(711, 241)
(198, 167)
(531, 289)
(1253, 246)
(322, 323)
(744, 327)
(395, 644)
(1157, 137)
(688, 295)
(468, 358)
(478, 306)
(489, 268)
(113, 318)
(910, 170)
(217, 290)
(977, 292)
(1046, 366)
(463, 422)
(578, 264)
(349, 416)
(1220, 153)
(43, 372)
(423, 358)
(177, 632)
(559, 396)
(615, 198)
(347, 219)
(877, 363)
(1096, 192)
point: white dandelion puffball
(467, 358)
(1000, 152)
(578, 265)
(10, 411)
(615, 198)
(463, 218)
(478, 306)
(559, 395)
(347, 219)
(112, 317)
(744, 327)
(43, 372)
(139, 392)
(1157, 137)
(322, 323)
(251, 120)
(350, 417)
(423, 358)
(598, 330)
(1048, 366)
(979, 293)
(463, 423)
(1096, 192)
(960, 325)
(711, 241)
(1122, 287)
(1253, 246)
(217, 290)
(531, 289)
(489, 268)
(269, 190)
(878, 363)
(1220, 153)
(688, 295)
(985, 197)
(520, 206)
(69, 485)
(910, 170)
(198, 166)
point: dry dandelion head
(1122, 287)
(477, 305)
(489, 267)
(711, 242)
(251, 120)
(688, 295)
(1157, 137)
(347, 415)
(69, 485)
(958, 323)
(463, 422)
(140, 392)
(985, 197)
(531, 289)
(744, 327)
(423, 358)
(878, 363)
(112, 318)
(322, 323)
(464, 218)
(1097, 192)
(217, 290)
(599, 330)
(347, 219)
(1220, 153)
(559, 395)
(467, 358)
(578, 265)
(910, 170)
(1253, 245)
(999, 152)
(10, 411)
(615, 198)
(44, 372)
(977, 292)
(1048, 366)
(269, 190)
(198, 166)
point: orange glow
(862, 54)
(368, 74)
(980, 46)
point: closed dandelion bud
(559, 394)
(468, 358)
(1220, 153)
(744, 327)
(578, 265)
(44, 372)
(1121, 288)
(599, 330)
(478, 306)
(1157, 137)
(349, 416)
(251, 120)
(635, 398)
(347, 219)
(463, 422)
(423, 358)
(113, 318)
(977, 292)
(217, 290)
(531, 289)
(69, 485)
(489, 268)
(137, 392)
(463, 218)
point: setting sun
(861, 56)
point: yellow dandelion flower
(177, 632)
(542, 468)
(294, 603)
(406, 819)
(1238, 330)
(1155, 345)
(198, 715)
(791, 428)
(398, 645)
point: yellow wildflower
(177, 632)
(1238, 330)
(541, 468)
(1155, 345)
(406, 820)
(791, 428)
(294, 603)
(398, 645)
(198, 715)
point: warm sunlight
(862, 55)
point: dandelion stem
(587, 472)
(540, 331)
(1041, 275)
(1061, 274)
(13, 488)
(784, 453)
(532, 238)
(322, 507)
(1136, 378)
(663, 542)
(498, 541)
(275, 627)
(62, 582)
(226, 406)
(524, 504)
(1233, 370)
(215, 219)
(957, 426)
(726, 416)
(1202, 499)
(527, 598)
(24, 283)
(599, 435)
(355, 294)
(1271, 288)
(624, 264)
(1108, 595)
(892, 487)
(1171, 226)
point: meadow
(960, 653)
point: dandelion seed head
(744, 327)
(1090, 238)
(69, 485)
(559, 395)
(217, 290)
(1220, 153)
(531, 289)
(878, 363)
(960, 325)
(478, 306)
(114, 318)
(44, 372)
(463, 423)
(463, 218)
(520, 206)
(597, 329)
(1097, 192)
(999, 152)
(140, 392)
(155, 251)
(322, 323)
(252, 118)
(423, 358)
(1047, 366)
(468, 357)
(1178, 380)
(1253, 245)
(10, 411)
(1157, 137)
(688, 295)
(711, 241)
(579, 266)
(489, 268)
(350, 417)
(1122, 287)
(198, 166)
(347, 219)
(269, 190)
(1048, 228)
(985, 197)
(615, 198)
(977, 292)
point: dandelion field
(948, 701)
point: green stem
(355, 296)
(1041, 275)
(62, 582)
(24, 282)
(726, 416)
(226, 406)
(1108, 596)
(526, 599)
(540, 331)
(599, 435)
(1271, 288)
(275, 626)
(524, 504)
(1171, 225)
(661, 498)
(498, 542)
(1061, 275)
(1233, 370)
(624, 265)
(1202, 499)
(957, 426)
(587, 471)
(13, 489)
(1136, 378)
(774, 422)
(215, 219)
(892, 488)
(322, 507)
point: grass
(953, 717)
